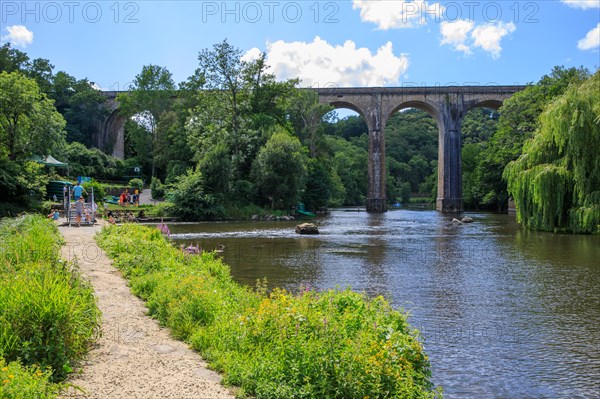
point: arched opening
(478, 126)
(138, 141)
(411, 139)
(346, 139)
(111, 139)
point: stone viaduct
(447, 105)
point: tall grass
(48, 314)
(333, 344)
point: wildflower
(4, 368)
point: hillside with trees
(231, 136)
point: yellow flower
(11, 376)
(5, 381)
(4, 368)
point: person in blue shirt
(54, 215)
(77, 191)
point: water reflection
(503, 312)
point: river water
(504, 313)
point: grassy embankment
(48, 314)
(333, 344)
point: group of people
(129, 199)
(113, 217)
(88, 213)
(81, 211)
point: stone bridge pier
(447, 106)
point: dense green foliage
(38, 111)
(556, 182)
(148, 98)
(29, 122)
(48, 314)
(227, 122)
(91, 162)
(29, 125)
(333, 344)
(279, 171)
(22, 382)
(190, 201)
(78, 101)
(518, 121)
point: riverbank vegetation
(48, 314)
(334, 344)
(556, 182)
(213, 144)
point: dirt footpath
(134, 358)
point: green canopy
(49, 160)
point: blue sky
(344, 43)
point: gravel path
(134, 358)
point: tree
(216, 169)
(29, 123)
(234, 116)
(280, 170)
(80, 104)
(150, 95)
(189, 200)
(349, 163)
(12, 60)
(306, 116)
(318, 185)
(519, 118)
(222, 69)
(85, 161)
(172, 151)
(556, 181)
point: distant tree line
(231, 135)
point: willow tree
(556, 182)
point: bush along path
(134, 357)
(333, 344)
(48, 313)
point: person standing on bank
(77, 191)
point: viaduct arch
(446, 104)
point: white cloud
(251, 55)
(456, 34)
(584, 4)
(320, 64)
(488, 36)
(18, 35)
(591, 40)
(464, 35)
(390, 14)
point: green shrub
(48, 314)
(161, 209)
(99, 190)
(333, 344)
(137, 184)
(19, 382)
(190, 202)
(157, 188)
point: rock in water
(467, 219)
(307, 228)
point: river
(503, 312)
